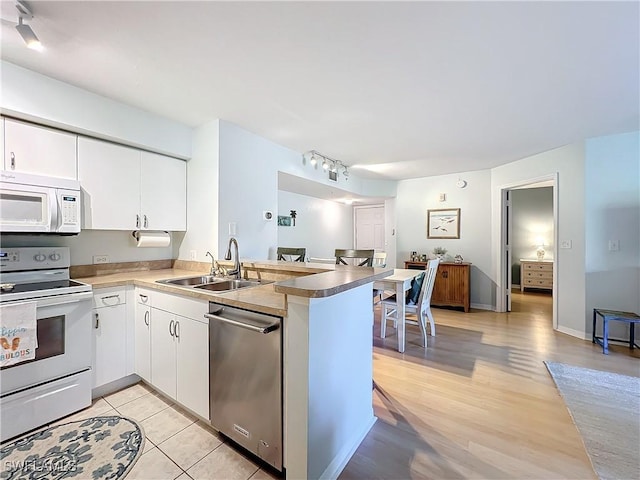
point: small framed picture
(284, 221)
(443, 223)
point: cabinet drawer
(538, 275)
(109, 297)
(538, 283)
(143, 296)
(538, 267)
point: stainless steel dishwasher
(245, 379)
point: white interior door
(369, 228)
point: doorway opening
(527, 264)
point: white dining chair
(379, 261)
(421, 309)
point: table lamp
(540, 251)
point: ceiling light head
(28, 36)
(25, 31)
(314, 160)
(325, 165)
(345, 172)
(334, 167)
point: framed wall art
(284, 221)
(443, 223)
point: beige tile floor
(177, 444)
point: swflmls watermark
(40, 465)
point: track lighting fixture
(25, 31)
(331, 165)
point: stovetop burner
(35, 287)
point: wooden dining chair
(363, 258)
(421, 308)
(291, 254)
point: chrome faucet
(213, 264)
(236, 264)
(216, 268)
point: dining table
(399, 282)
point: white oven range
(58, 381)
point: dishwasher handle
(254, 328)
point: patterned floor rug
(96, 448)
(606, 409)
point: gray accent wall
(532, 218)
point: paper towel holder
(135, 233)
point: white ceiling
(397, 89)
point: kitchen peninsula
(327, 350)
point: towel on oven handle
(18, 333)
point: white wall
(416, 196)
(321, 225)
(568, 162)
(120, 246)
(202, 196)
(249, 167)
(612, 208)
(42, 99)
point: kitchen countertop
(323, 281)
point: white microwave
(35, 204)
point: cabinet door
(163, 352)
(39, 150)
(110, 344)
(193, 365)
(142, 341)
(110, 179)
(163, 192)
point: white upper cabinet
(39, 150)
(109, 176)
(127, 189)
(163, 192)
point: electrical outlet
(614, 245)
(193, 255)
(565, 243)
(100, 259)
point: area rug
(606, 409)
(104, 447)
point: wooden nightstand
(536, 274)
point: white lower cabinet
(172, 350)
(163, 352)
(180, 359)
(109, 335)
(192, 365)
(142, 336)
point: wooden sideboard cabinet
(452, 284)
(536, 274)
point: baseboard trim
(340, 461)
(114, 386)
(574, 333)
(482, 306)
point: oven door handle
(62, 299)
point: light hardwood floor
(479, 402)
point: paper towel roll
(152, 239)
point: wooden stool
(607, 316)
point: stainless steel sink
(226, 285)
(191, 281)
(212, 283)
